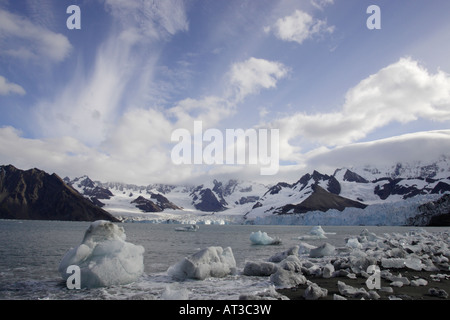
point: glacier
(262, 238)
(104, 257)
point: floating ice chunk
(305, 248)
(419, 282)
(287, 279)
(104, 257)
(314, 292)
(436, 292)
(354, 243)
(414, 264)
(209, 262)
(262, 238)
(387, 289)
(328, 271)
(269, 294)
(171, 293)
(410, 263)
(291, 263)
(365, 235)
(396, 284)
(396, 263)
(404, 280)
(351, 292)
(259, 269)
(280, 256)
(324, 250)
(315, 233)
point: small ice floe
(280, 256)
(172, 293)
(436, 292)
(354, 243)
(262, 238)
(104, 257)
(259, 268)
(324, 250)
(206, 263)
(314, 292)
(419, 282)
(352, 292)
(190, 228)
(315, 233)
(287, 278)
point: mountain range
(34, 194)
(357, 187)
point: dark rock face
(441, 187)
(277, 188)
(146, 205)
(207, 201)
(433, 213)
(333, 184)
(35, 195)
(163, 202)
(351, 176)
(249, 199)
(394, 187)
(321, 200)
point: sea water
(30, 253)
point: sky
(104, 100)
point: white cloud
(383, 152)
(299, 27)
(90, 105)
(252, 75)
(402, 92)
(7, 87)
(321, 4)
(145, 20)
(20, 38)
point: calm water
(30, 252)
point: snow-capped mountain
(346, 188)
(125, 199)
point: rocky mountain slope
(36, 195)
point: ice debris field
(106, 259)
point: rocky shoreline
(410, 266)
(437, 287)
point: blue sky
(105, 99)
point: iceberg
(324, 250)
(315, 233)
(209, 262)
(262, 238)
(259, 268)
(104, 257)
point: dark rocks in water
(36, 195)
